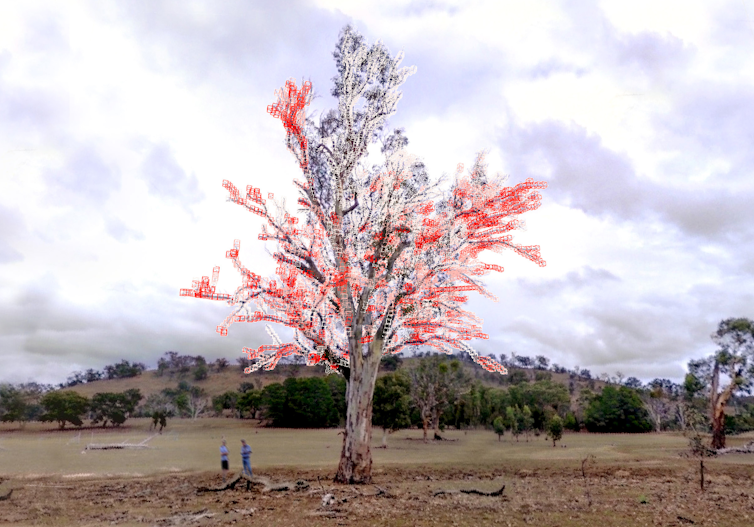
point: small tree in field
(499, 426)
(555, 429)
(383, 258)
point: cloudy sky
(119, 121)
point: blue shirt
(245, 451)
(224, 452)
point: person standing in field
(245, 453)
(224, 459)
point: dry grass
(57, 485)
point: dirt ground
(608, 496)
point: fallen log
(256, 480)
(7, 495)
(471, 491)
(748, 448)
(118, 446)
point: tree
(390, 408)
(221, 364)
(390, 362)
(201, 372)
(433, 384)
(159, 407)
(512, 418)
(616, 410)
(273, 403)
(114, 407)
(250, 402)
(657, 406)
(13, 404)
(555, 429)
(542, 362)
(309, 404)
(64, 407)
(382, 259)
(225, 401)
(499, 426)
(526, 421)
(735, 360)
(633, 382)
(124, 369)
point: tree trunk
(384, 438)
(356, 457)
(425, 426)
(718, 428)
(718, 416)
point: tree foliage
(114, 407)
(616, 410)
(555, 429)
(64, 407)
(391, 405)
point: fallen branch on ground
(117, 446)
(471, 491)
(256, 480)
(748, 448)
(7, 495)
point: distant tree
(309, 403)
(124, 370)
(243, 363)
(542, 376)
(570, 422)
(221, 364)
(433, 383)
(524, 361)
(633, 382)
(615, 411)
(517, 377)
(585, 374)
(391, 403)
(499, 426)
(92, 375)
(225, 401)
(74, 379)
(542, 362)
(526, 421)
(13, 404)
(734, 360)
(337, 386)
(273, 404)
(114, 407)
(619, 377)
(201, 372)
(571, 387)
(64, 407)
(250, 403)
(555, 429)
(245, 387)
(390, 362)
(512, 419)
(163, 366)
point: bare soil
(610, 495)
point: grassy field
(633, 479)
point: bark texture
(356, 456)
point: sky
(120, 120)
